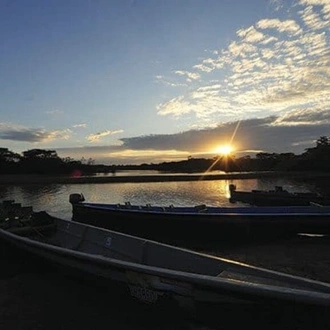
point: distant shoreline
(19, 179)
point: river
(54, 198)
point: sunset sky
(128, 82)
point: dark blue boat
(202, 223)
(276, 197)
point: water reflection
(31, 191)
(153, 172)
(55, 198)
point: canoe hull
(162, 275)
(132, 280)
(158, 288)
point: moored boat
(153, 272)
(276, 197)
(202, 223)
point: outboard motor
(232, 187)
(76, 198)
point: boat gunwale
(281, 211)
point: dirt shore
(303, 255)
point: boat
(154, 273)
(202, 224)
(276, 197)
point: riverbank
(302, 255)
(14, 179)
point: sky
(148, 81)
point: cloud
(24, 134)
(79, 126)
(290, 132)
(175, 107)
(120, 155)
(273, 67)
(167, 82)
(306, 117)
(203, 67)
(97, 136)
(324, 3)
(288, 26)
(276, 4)
(271, 134)
(54, 112)
(250, 35)
(190, 75)
(241, 49)
(315, 20)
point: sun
(224, 150)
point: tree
(41, 161)
(323, 141)
(317, 158)
(8, 161)
(8, 156)
(40, 154)
(90, 161)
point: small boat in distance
(153, 272)
(276, 197)
(202, 224)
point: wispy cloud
(54, 112)
(313, 20)
(97, 136)
(168, 82)
(288, 26)
(250, 35)
(33, 135)
(79, 126)
(190, 76)
(273, 67)
(175, 107)
(276, 4)
(307, 117)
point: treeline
(39, 161)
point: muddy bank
(307, 256)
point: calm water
(54, 198)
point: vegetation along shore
(48, 163)
(13, 179)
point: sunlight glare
(224, 150)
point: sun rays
(224, 151)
